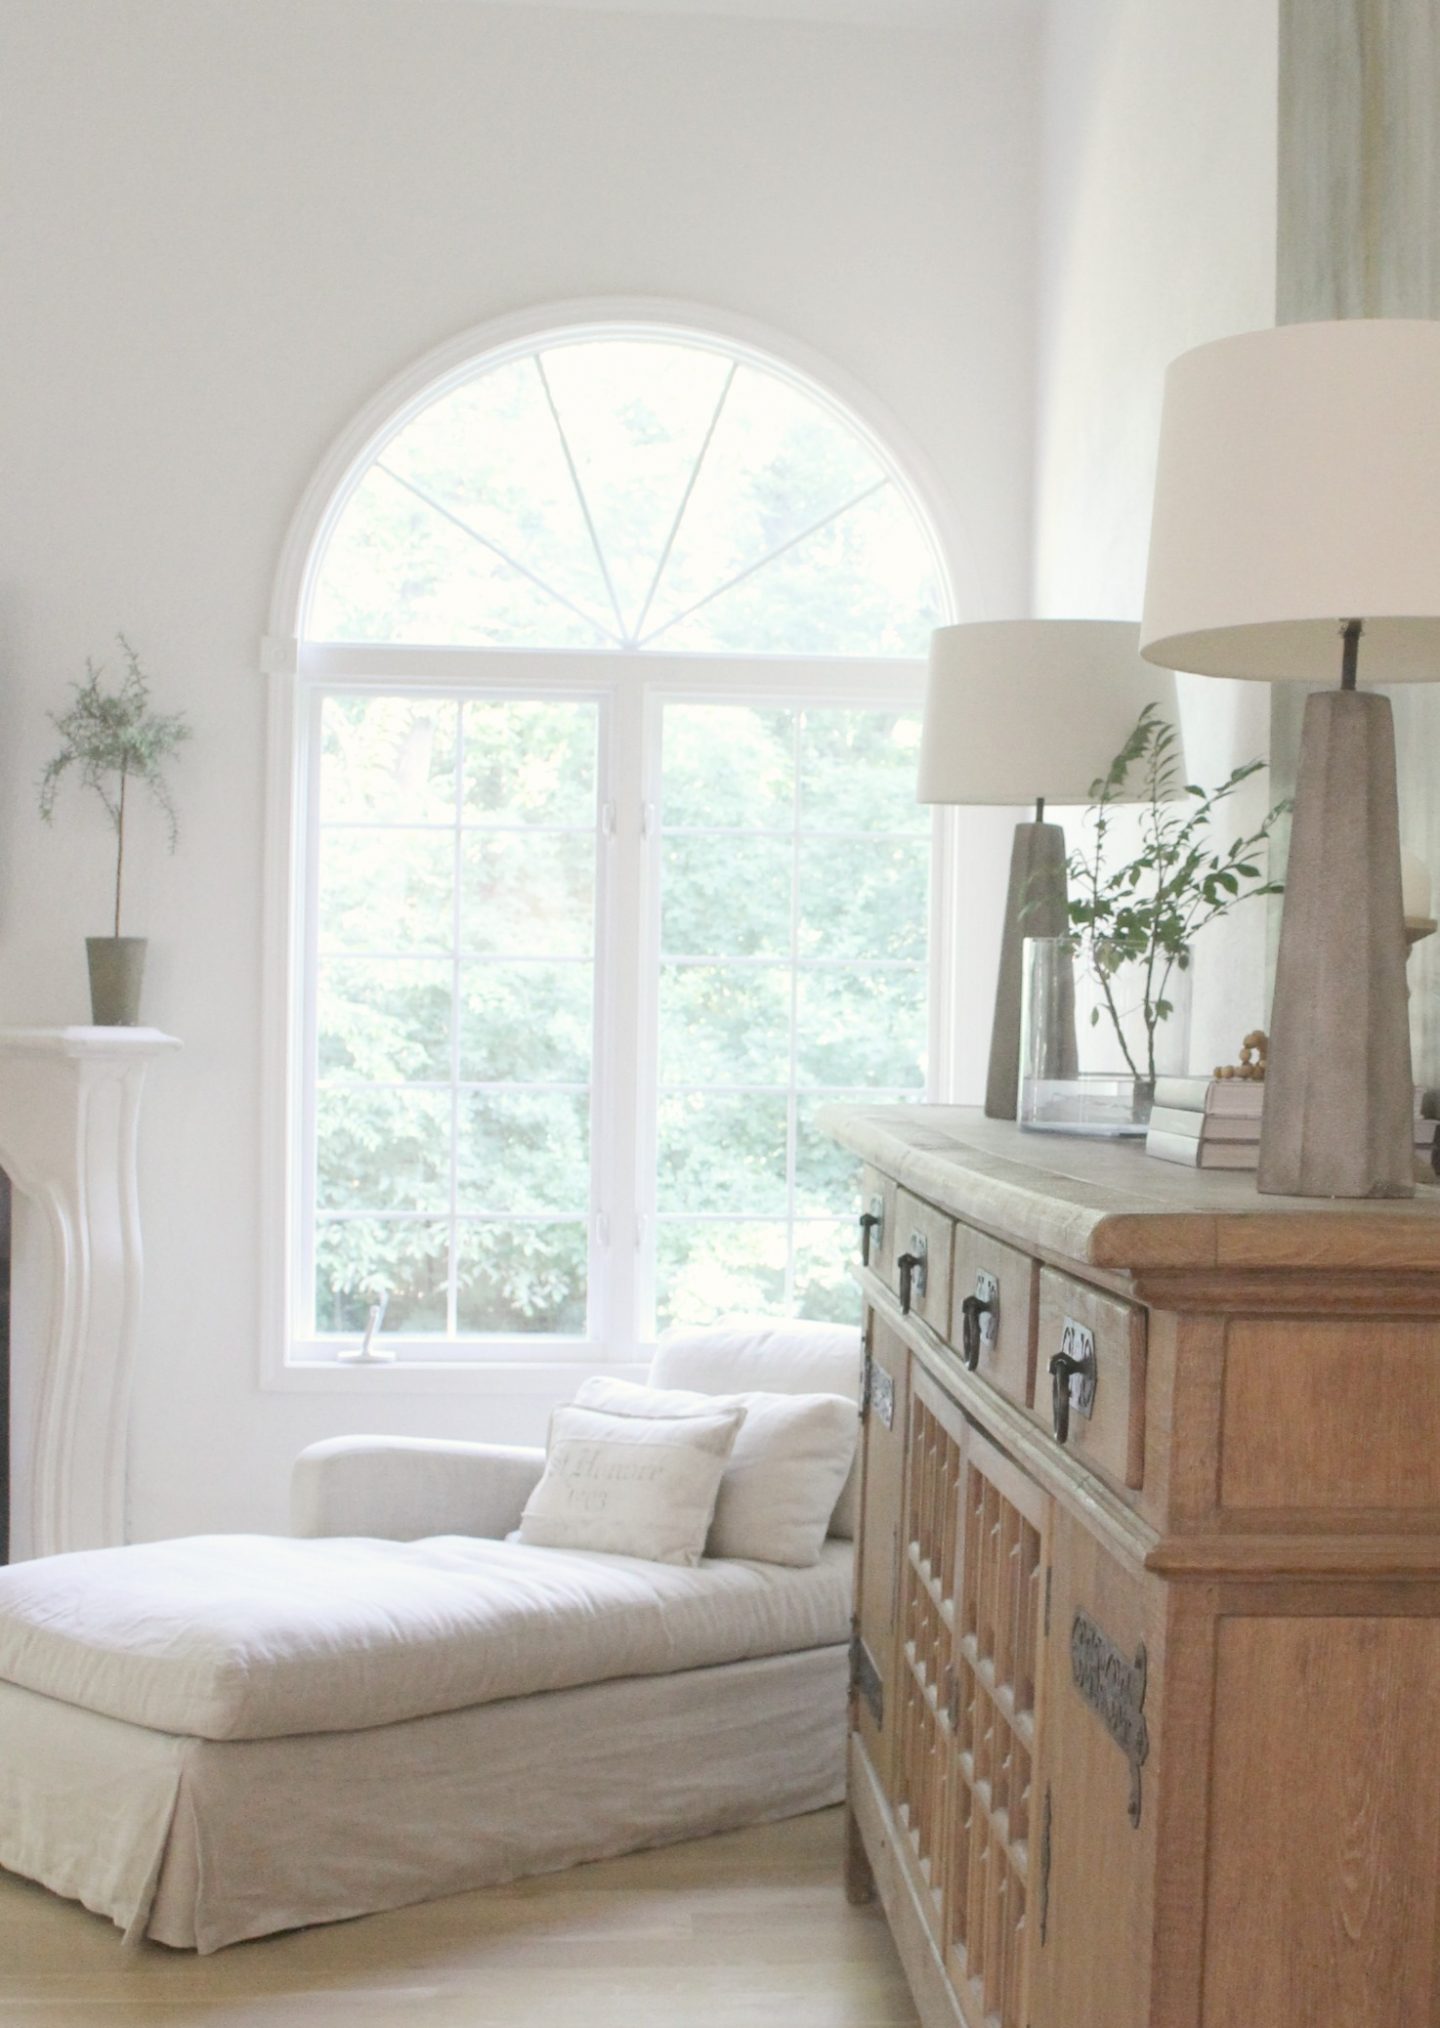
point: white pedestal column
(69, 1117)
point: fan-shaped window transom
(629, 492)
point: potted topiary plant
(119, 745)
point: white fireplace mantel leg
(69, 1118)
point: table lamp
(1296, 538)
(1022, 711)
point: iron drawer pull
(907, 1264)
(870, 1222)
(1062, 1367)
(972, 1309)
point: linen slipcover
(202, 1843)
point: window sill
(541, 1376)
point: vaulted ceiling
(892, 13)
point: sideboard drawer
(920, 1260)
(1100, 1413)
(993, 1312)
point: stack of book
(1214, 1123)
(1207, 1122)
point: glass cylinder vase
(1085, 1046)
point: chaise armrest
(403, 1488)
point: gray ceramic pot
(117, 966)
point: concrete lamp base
(1035, 906)
(1339, 1096)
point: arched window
(611, 866)
(629, 492)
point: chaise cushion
(257, 1637)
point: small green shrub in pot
(1141, 889)
(115, 744)
(1146, 911)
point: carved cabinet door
(992, 1705)
(968, 1676)
(1097, 1784)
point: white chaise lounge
(216, 1738)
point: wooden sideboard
(1146, 1706)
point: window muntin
(629, 492)
(454, 992)
(791, 970)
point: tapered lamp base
(1339, 1097)
(1035, 906)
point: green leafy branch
(1149, 911)
(112, 738)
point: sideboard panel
(881, 1547)
(1325, 1824)
(1350, 1406)
(1096, 1859)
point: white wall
(1158, 234)
(226, 222)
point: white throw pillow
(774, 1355)
(630, 1486)
(786, 1472)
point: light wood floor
(748, 1930)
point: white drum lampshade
(1030, 711)
(1296, 538)
(1020, 710)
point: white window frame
(632, 688)
(631, 691)
(860, 685)
(495, 684)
